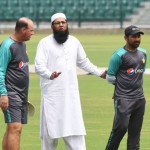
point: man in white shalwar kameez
(56, 59)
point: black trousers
(128, 118)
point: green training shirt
(128, 68)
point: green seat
(127, 10)
(82, 3)
(83, 11)
(8, 13)
(69, 3)
(100, 3)
(14, 3)
(74, 9)
(3, 3)
(72, 13)
(47, 12)
(110, 14)
(41, 3)
(134, 3)
(41, 13)
(25, 3)
(2, 13)
(113, 3)
(18, 13)
(99, 13)
(91, 14)
(117, 13)
(124, 3)
(30, 13)
(48, 3)
(58, 3)
(61, 9)
(91, 3)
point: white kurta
(60, 100)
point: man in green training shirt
(125, 71)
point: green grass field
(96, 93)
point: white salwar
(60, 100)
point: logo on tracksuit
(131, 71)
(22, 64)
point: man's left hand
(4, 102)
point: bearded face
(60, 30)
(134, 40)
(60, 36)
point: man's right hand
(4, 102)
(54, 75)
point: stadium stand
(41, 10)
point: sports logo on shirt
(130, 71)
(143, 60)
(21, 65)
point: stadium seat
(41, 13)
(1, 14)
(45, 13)
(91, 3)
(99, 13)
(90, 14)
(124, 3)
(72, 13)
(8, 13)
(29, 12)
(82, 3)
(3, 3)
(59, 3)
(117, 13)
(14, 3)
(109, 13)
(71, 3)
(61, 9)
(83, 12)
(48, 3)
(133, 3)
(18, 12)
(25, 3)
(113, 3)
(127, 10)
(74, 9)
(33, 3)
(45, 3)
(101, 3)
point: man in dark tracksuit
(125, 71)
(14, 82)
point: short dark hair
(20, 24)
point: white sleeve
(111, 79)
(41, 61)
(84, 63)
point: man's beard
(134, 44)
(61, 36)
